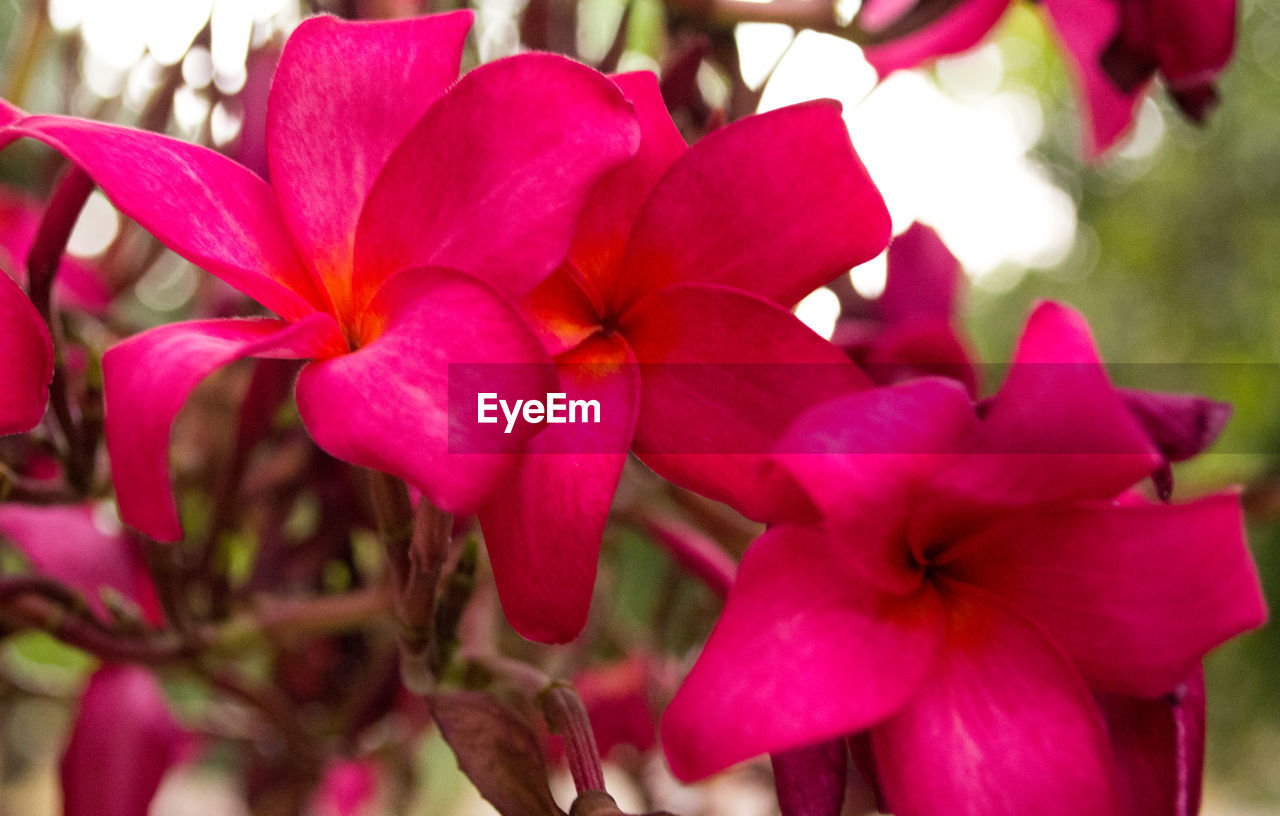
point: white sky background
(952, 153)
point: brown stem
(567, 717)
(46, 252)
(35, 611)
(416, 543)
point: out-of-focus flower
(77, 284)
(347, 788)
(964, 587)
(1114, 48)
(69, 543)
(910, 330)
(686, 262)
(123, 742)
(404, 208)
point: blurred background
(1169, 246)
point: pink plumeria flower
(123, 742)
(1114, 48)
(405, 208)
(673, 311)
(964, 585)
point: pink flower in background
(348, 788)
(963, 587)
(1114, 48)
(78, 284)
(76, 546)
(404, 208)
(911, 329)
(123, 742)
(686, 262)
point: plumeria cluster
(975, 602)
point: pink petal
(208, 209)
(395, 405)
(862, 460)
(543, 525)
(77, 283)
(147, 379)
(1180, 425)
(560, 311)
(123, 742)
(26, 360)
(492, 179)
(775, 204)
(1086, 28)
(1193, 39)
(343, 97)
(1057, 430)
(1003, 726)
(724, 374)
(959, 30)
(875, 15)
(68, 543)
(1159, 746)
(921, 348)
(802, 653)
(616, 200)
(811, 779)
(1137, 594)
(348, 788)
(923, 279)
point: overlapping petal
(1159, 748)
(26, 360)
(1004, 726)
(543, 525)
(615, 202)
(775, 204)
(862, 460)
(712, 406)
(1057, 430)
(510, 154)
(210, 210)
(388, 405)
(797, 630)
(147, 379)
(1136, 594)
(328, 136)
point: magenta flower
(68, 543)
(964, 587)
(123, 742)
(26, 360)
(687, 261)
(910, 330)
(404, 209)
(1114, 48)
